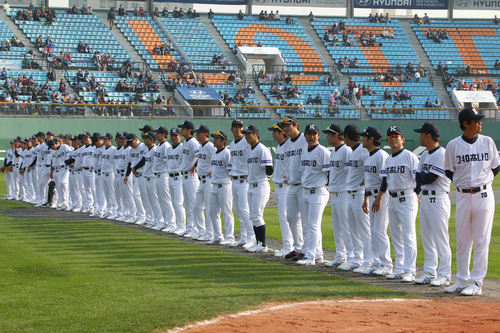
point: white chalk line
(285, 306)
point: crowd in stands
(264, 16)
(379, 18)
(437, 35)
(423, 20)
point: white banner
(465, 96)
(475, 5)
(10, 63)
(302, 3)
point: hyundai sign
(476, 5)
(402, 4)
(205, 94)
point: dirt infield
(437, 315)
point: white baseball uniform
(143, 207)
(34, 173)
(160, 171)
(99, 200)
(280, 192)
(75, 196)
(174, 161)
(315, 165)
(472, 162)
(61, 175)
(339, 159)
(88, 175)
(221, 197)
(148, 190)
(126, 191)
(9, 176)
(108, 177)
(190, 149)
(202, 196)
(16, 163)
(24, 179)
(258, 158)
(403, 208)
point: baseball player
(260, 169)
(44, 172)
(67, 139)
(281, 188)
(40, 193)
(401, 167)
(174, 162)
(124, 191)
(61, 173)
(161, 180)
(376, 205)
(434, 208)
(190, 183)
(136, 152)
(202, 197)
(24, 177)
(107, 175)
(315, 164)
(16, 162)
(74, 177)
(221, 197)
(88, 175)
(99, 201)
(295, 213)
(471, 162)
(32, 168)
(9, 176)
(339, 159)
(239, 174)
(359, 222)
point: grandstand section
(16, 53)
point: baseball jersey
(258, 158)
(87, 156)
(190, 149)
(77, 155)
(400, 169)
(315, 165)
(160, 161)
(9, 156)
(293, 152)
(17, 159)
(205, 157)
(238, 164)
(137, 154)
(374, 169)
(123, 158)
(471, 163)
(97, 158)
(279, 164)
(339, 159)
(149, 158)
(25, 158)
(45, 158)
(433, 162)
(356, 168)
(174, 158)
(220, 166)
(108, 159)
(34, 153)
(61, 155)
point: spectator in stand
(277, 15)
(387, 95)
(495, 20)
(271, 16)
(6, 7)
(437, 103)
(428, 103)
(156, 12)
(416, 19)
(289, 20)
(426, 19)
(210, 14)
(84, 10)
(181, 13)
(311, 17)
(121, 11)
(142, 12)
(111, 18)
(46, 52)
(318, 100)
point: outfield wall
(12, 127)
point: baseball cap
(372, 132)
(86, 135)
(236, 122)
(350, 130)
(50, 133)
(121, 135)
(175, 131)
(288, 120)
(428, 127)
(50, 143)
(311, 128)
(108, 136)
(12, 141)
(96, 136)
(276, 127)
(468, 114)
(18, 139)
(333, 128)
(40, 134)
(33, 137)
(79, 137)
(250, 129)
(131, 137)
(186, 124)
(161, 129)
(146, 128)
(150, 134)
(68, 136)
(202, 129)
(395, 129)
(219, 134)
(56, 139)
(28, 139)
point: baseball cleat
(195, 236)
(102, 216)
(359, 269)
(456, 288)
(394, 276)
(214, 242)
(306, 262)
(472, 289)
(140, 221)
(441, 280)
(93, 215)
(369, 270)
(280, 254)
(425, 279)
(347, 266)
(382, 271)
(258, 248)
(157, 227)
(129, 220)
(77, 210)
(70, 209)
(334, 263)
(319, 260)
(298, 257)
(112, 217)
(188, 234)
(181, 232)
(250, 244)
(291, 255)
(240, 243)
(227, 242)
(205, 238)
(407, 277)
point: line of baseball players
(87, 173)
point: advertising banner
(402, 4)
(302, 3)
(475, 5)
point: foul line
(285, 306)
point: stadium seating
(292, 40)
(371, 59)
(16, 53)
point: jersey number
(402, 199)
(432, 200)
(484, 195)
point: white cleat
(306, 262)
(112, 217)
(407, 277)
(249, 244)
(188, 235)
(334, 263)
(77, 209)
(258, 248)
(425, 279)
(121, 218)
(472, 289)
(227, 242)
(129, 220)
(441, 280)
(383, 271)
(240, 243)
(140, 221)
(458, 287)
(281, 253)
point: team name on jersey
(426, 167)
(371, 168)
(352, 163)
(294, 152)
(312, 163)
(396, 169)
(337, 164)
(253, 160)
(157, 154)
(173, 157)
(87, 153)
(478, 157)
(237, 153)
(279, 157)
(106, 157)
(202, 156)
(148, 159)
(133, 155)
(217, 163)
(60, 154)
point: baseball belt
(279, 185)
(174, 174)
(472, 190)
(432, 192)
(202, 177)
(184, 173)
(399, 193)
(88, 168)
(48, 165)
(239, 177)
(369, 193)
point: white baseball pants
(296, 216)
(315, 203)
(258, 196)
(163, 192)
(379, 221)
(359, 223)
(344, 247)
(240, 197)
(221, 199)
(201, 204)
(189, 187)
(175, 187)
(280, 193)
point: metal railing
(115, 67)
(360, 69)
(306, 69)
(461, 71)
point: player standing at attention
(359, 222)
(295, 214)
(88, 175)
(174, 161)
(281, 188)
(239, 174)
(120, 164)
(401, 168)
(189, 172)
(315, 164)
(260, 169)
(471, 162)
(376, 204)
(339, 158)
(434, 208)
(107, 167)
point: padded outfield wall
(12, 127)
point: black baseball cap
(333, 128)
(311, 128)
(350, 130)
(276, 127)
(12, 141)
(202, 129)
(68, 136)
(236, 122)
(131, 137)
(219, 134)
(395, 129)
(96, 136)
(28, 139)
(150, 134)
(50, 143)
(121, 135)
(40, 134)
(186, 124)
(50, 133)
(146, 128)
(428, 127)
(372, 132)
(86, 135)
(250, 129)
(33, 137)
(288, 120)
(175, 131)
(18, 139)
(56, 140)
(469, 114)
(108, 136)
(161, 129)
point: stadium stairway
(19, 33)
(424, 59)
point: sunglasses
(393, 136)
(286, 120)
(276, 126)
(217, 133)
